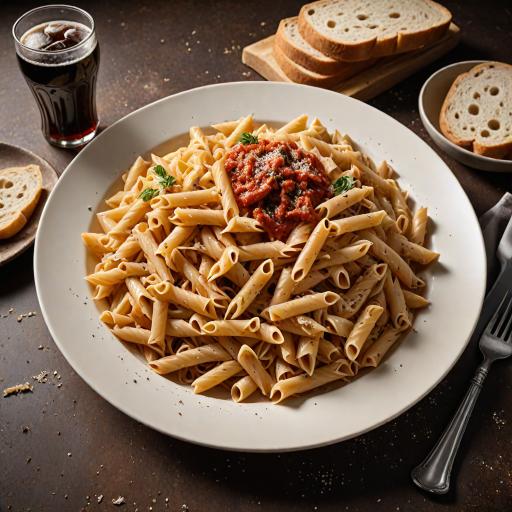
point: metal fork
(433, 474)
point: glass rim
(43, 7)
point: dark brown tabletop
(63, 446)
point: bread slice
(351, 30)
(295, 47)
(20, 189)
(301, 75)
(477, 111)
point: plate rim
(298, 447)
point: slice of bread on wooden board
(20, 189)
(301, 75)
(477, 111)
(351, 30)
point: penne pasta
(256, 258)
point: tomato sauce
(278, 183)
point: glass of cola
(58, 55)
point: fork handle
(433, 474)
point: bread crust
(301, 57)
(13, 226)
(503, 150)
(300, 75)
(373, 47)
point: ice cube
(75, 34)
(36, 40)
(56, 30)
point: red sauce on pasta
(278, 183)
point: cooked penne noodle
(158, 326)
(170, 293)
(307, 350)
(243, 389)
(149, 247)
(227, 261)
(243, 225)
(419, 226)
(223, 184)
(361, 330)
(350, 253)
(176, 237)
(301, 305)
(251, 364)
(284, 287)
(374, 354)
(117, 274)
(414, 301)
(395, 299)
(195, 216)
(264, 251)
(410, 250)
(357, 222)
(301, 325)
(180, 328)
(210, 353)
(250, 289)
(139, 168)
(216, 376)
(111, 318)
(186, 199)
(132, 334)
(311, 250)
(341, 202)
(133, 215)
(303, 383)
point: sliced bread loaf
(20, 189)
(301, 75)
(477, 111)
(351, 30)
(295, 47)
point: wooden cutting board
(370, 82)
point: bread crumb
(100, 498)
(18, 388)
(41, 377)
(118, 501)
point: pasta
(262, 260)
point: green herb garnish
(343, 184)
(148, 194)
(165, 181)
(248, 138)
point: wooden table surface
(62, 446)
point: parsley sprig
(343, 184)
(148, 193)
(164, 180)
(248, 138)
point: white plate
(456, 284)
(431, 100)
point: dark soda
(62, 80)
